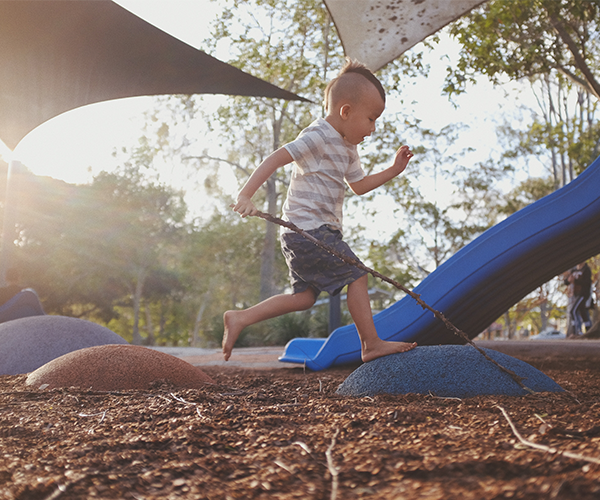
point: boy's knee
(306, 299)
(310, 301)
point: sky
(77, 145)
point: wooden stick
(415, 296)
(181, 400)
(333, 470)
(541, 447)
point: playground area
(273, 425)
(284, 433)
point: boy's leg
(235, 321)
(360, 310)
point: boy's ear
(344, 111)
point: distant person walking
(580, 279)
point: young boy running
(325, 156)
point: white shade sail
(376, 32)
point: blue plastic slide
(482, 280)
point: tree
(528, 39)
(220, 265)
(141, 220)
(53, 251)
(556, 47)
(445, 201)
(526, 193)
(89, 250)
(563, 132)
(164, 319)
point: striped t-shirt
(323, 160)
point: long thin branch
(415, 296)
(575, 79)
(222, 160)
(541, 447)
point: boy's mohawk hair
(354, 66)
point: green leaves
(526, 39)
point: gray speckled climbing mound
(447, 371)
(28, 343)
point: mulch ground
(284, 433)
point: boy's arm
(244, 205)
(370, 182)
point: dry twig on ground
(333, 470)
(542, 447)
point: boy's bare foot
(383, 348)
(233, 328)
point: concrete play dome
(117, 367)
(447, 371)
(28, 343)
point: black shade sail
(57, 55)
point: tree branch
(575, 79)
(223, 160)
(579, 59)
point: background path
(267, 357)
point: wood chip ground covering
(284, 433)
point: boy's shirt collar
(321, 121)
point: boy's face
(359, 118)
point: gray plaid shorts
(311, 266)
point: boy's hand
(244, 206)
(402, 157)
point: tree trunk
(594, 331)
(137, 299)
(149, 326)
(267, 267)
(199, 314)
(508, 326)
(544, 314)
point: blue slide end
(483, 279)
